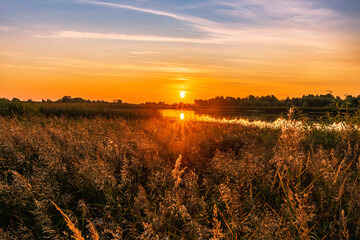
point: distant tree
(65, 99)
(309, 100)
(351, 101)
(77, 100)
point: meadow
(141, 176)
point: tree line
(310, 100)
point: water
(248, 118)
(254, 118)
(221, 115)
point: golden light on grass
(182, 94)
(211, 148)
(76, 232)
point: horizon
(142, 51)
(183, 100)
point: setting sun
(182, 94)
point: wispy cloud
(52, 63)
(27, 67)
(274, 22)
(298, 11)
(126, 37)
(276, 11)
(129, 7)
(178, 69)
(6, 28)
(143, 52)
(269, 36)
(194, 21)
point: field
(100, 177)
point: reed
(158, 178)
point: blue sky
(177, 18)
(245, 46)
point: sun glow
(182, 94)
(182, 116)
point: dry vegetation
(100, 178)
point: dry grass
(159, 178)
(71, 226)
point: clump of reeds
(77, 233)
(117, 178)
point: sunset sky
(152, 50)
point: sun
(182, 94)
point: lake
(219, 115)
(249, 118)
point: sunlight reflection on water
(191, 115)
(182, 116)
(278, 123)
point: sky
(151, 50)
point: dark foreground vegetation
(76, 109)
(135, 178)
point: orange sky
(162, 52)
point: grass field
(154, 178)
(75, 110)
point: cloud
(53, 63)
(178, 69)
(6, 28)
(129, 7)
(194, 21)
(276, 11)
(143, 53)
(269, 36)
(27, 67)
(279, 22)
(257, 11)
(125, 37)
